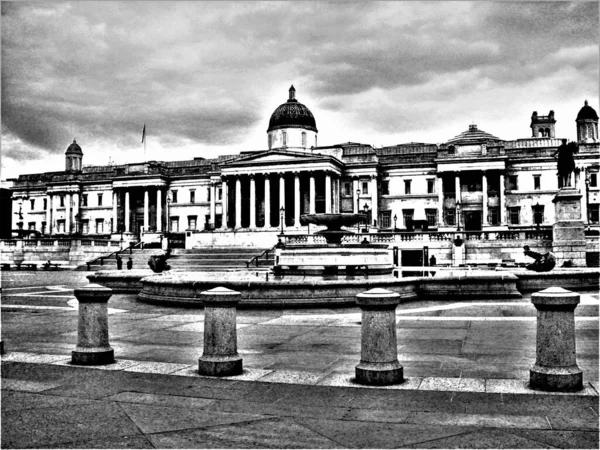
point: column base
(220, 366)
(379, 374)
(566, 379)
(93, 358)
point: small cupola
(73, 157)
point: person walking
(129, 263)
(119, 262)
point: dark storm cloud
(199, 71)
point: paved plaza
(466, 364)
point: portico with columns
(261, 190)
(138, 205)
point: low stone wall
(470, 285)
(571, 279)
(121, 281)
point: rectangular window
(45, 204)
(99, 199)
(32, 204)
(347, 189)
(385, 188)
(449, 216)
(365, 188)
(593, 213)
(85, 226)
(538, 214)
(62, 201)
(431, 215)
(84, 200)
(192, 222)
(60, 224)
(407, 215)
(31, 225)
(220, 193)
(494, 216)
(536, 182)
(512, 183)
(43, 228)
(514, 213)
(174, 196)
(407, 187)
(593, 180)
(192, 196)
(431, 186)
(386, 219)
(99, 226)
(174, 223)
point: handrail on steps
(102, 258)
(256, 258)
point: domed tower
(292, 126)
(73, 157)
(587, 124)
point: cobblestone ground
(466, 364)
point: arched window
(284, 138)
(270, 141)
(304, 139)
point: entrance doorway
(473, 220)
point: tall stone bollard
(92, 330)
(220, 357)
(379, 353)
(555, 368)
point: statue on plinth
(566, 162)
(542, 263)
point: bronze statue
(566, 162)
(542, 263)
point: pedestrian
(129, 263)
(119, 262)
(432, 260)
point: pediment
(276, 157)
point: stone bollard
(220, 357)
(379, 353)
(92, 330)
(555, 368)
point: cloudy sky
(206, 76)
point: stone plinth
(92, 331)
(568, 236)
(220, 357)
(379, 353)
(556, 367)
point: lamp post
(395, 220)
(358, 209)
(367, 221)
(457, 216)
(281, 217)
(169, 200)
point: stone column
(213, 203)
(296, 200)
(146, 211)
(220, 357)
(92, 331)
(281, 197)
(457, 186)
(55, 202)
(312, 194)
(67, 213)
(502, 201)
(158, 209)
(374, 200)
(238, 203)
(440, 193)
(267, 201)
(484, 186)
(49, 213)
(328, 193)
(224, 204)
(115, 220)
(555, 368)
(252, 202)
(127, 211)
(354, 197)
(75, 212)
(379, 354)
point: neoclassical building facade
(473, 182)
